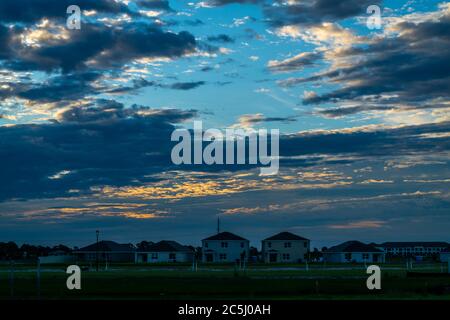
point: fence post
(11, 279)
(38, 278)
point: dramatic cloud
(102, 144)
(29, 11)
(295, 63)
(310, 12)
(411, 68)
(98, 46)
(249, 120)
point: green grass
(224, 282)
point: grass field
(226, 282)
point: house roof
(225, 236)
(285, 236)
(414, 244)
(166, 246)
(109, 246)
(353, 246)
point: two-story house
(225, 247)
(285, 247)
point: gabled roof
(285, 236)
(225, 236)
(353, 246)
(166, 246)
(414, 244)
(108, 246)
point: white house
(354, 251)
(225, 247)
(165, 251)
(285, 247)
(444, 255)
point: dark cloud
(410, 69)
(250, 119)
(67, 87)
(206, 69)
(155, 4)
(369, 143)
(345, 111)
(30, 11)
(218, 3)
(106, 143)
(101, 46)
(109, 144)
(193, 23)
(312, 12)
(295, 63)
(223, 38)
(5, 50)
(111, 111)
(186, 85)
(101, 144)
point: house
(165, 251)
(57, 257)
(444, 255)
(354, 251)
(285, 247)
(225, 247)
(106, 251)
(406, 249)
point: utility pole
(11, 279)
(218, 225)
(96, 256)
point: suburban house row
(226, 247)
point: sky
(86, 117)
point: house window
(287, 244)
(305, 244)
(223, 256)
(206, 244)
(348, 256)
(172, 256)
(224, 244)
(154, 256)
(365, 256)
(286, 256)
(242, 244)
(269, 244)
